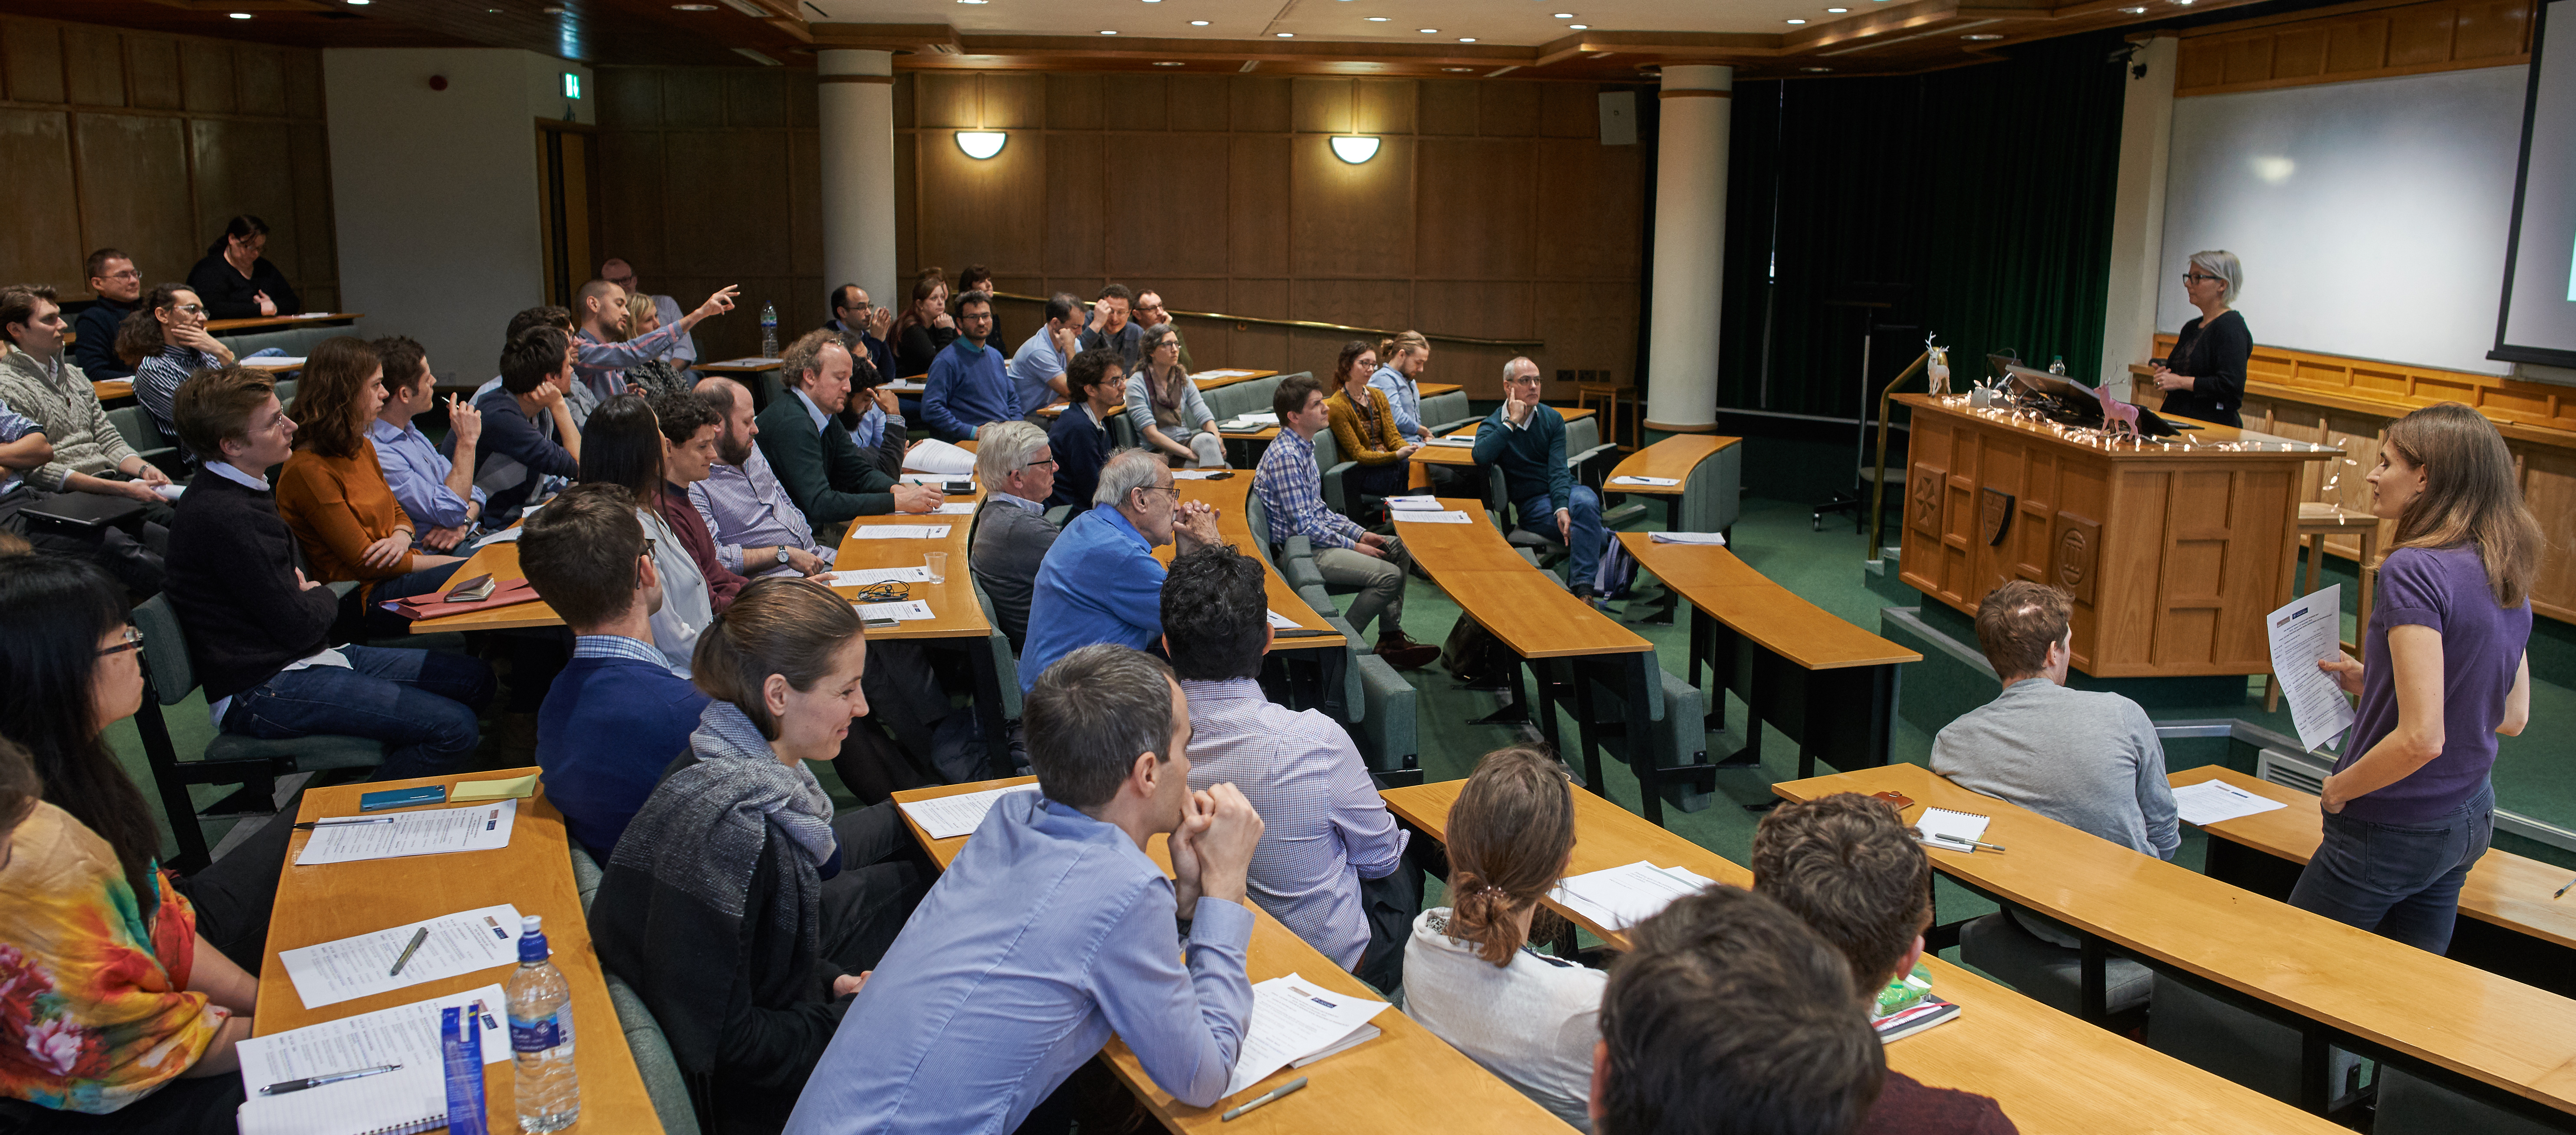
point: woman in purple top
(2408, 809)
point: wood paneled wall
(149, 143)
(2357, 41)
(1490, 210)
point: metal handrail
(1878, 483)
(1311, 325)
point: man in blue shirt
(616, 714)
(1053, 930)
(1527, 438)
(1037, 372)
(1399, 373)
(438, 493)
(1100, 581)
(968, 386)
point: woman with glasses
(2204, 376)
(127, 986)
(165, 341)
(1165, 407)
(1364, 427)
(334, 495)
(622, 446)
(237, 281)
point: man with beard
(758, 530)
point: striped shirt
(1323, 826)
(617, 646)
(1292, 489)
(14, 427)
(157, 379)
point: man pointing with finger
(601, 311)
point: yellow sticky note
(514, 788)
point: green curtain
(1975, 202)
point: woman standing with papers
(2409, 808)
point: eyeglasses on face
(1049, 463)
(133, 641)
(1175, 490)
(191, 308)
(2197, 277)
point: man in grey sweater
(1012, 533)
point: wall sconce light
(1354, 148)
(982, 144)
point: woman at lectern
(2204, 377)
(2409, 809)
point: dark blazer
(823, 471)
(232, 585)
(1080, 450)
(95, 353)
(228, 296)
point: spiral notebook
(409, 1099)
(395, 1103)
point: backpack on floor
(1616, 575)
(1475, 656)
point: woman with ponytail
(1470, 975)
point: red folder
(430, 606)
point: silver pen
(1263, 1098)
(284, 1086)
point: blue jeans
(1538, 514)
(2401, 881)
(423, 704)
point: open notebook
(409, 1099)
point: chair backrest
(165, 648)
(1256, 516)
(1712, 495)
(135, 425)
(1003, 660)
(1582, 434)
(1498, 497)
(285, 392)
(1441, 409)
(1328, 452)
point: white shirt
(326, 656)
(1532, 1022)
(686, 607)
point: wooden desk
(1828, 685)
(2506, 1042)
(274, 322)
(501, 561)
(1207, 380)
(1405, 1080)
(1458, 455)
(741, 366)
(1680, 459)
(340, 900)
(1672, 458)
(2173, 555)
(1436, 389)
(2051, 1072)
(2512, 927)
(957, 615)
(1232, 524)
(112, 389)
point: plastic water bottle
(549, 1091)
(769, 331)
(2057, 364)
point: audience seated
(127, 988)
(1399, 375)
(854, 315)
(118, 284)
(1328, 868)
(756, 529)
(925, 328)
(1729, 1017)
(741, 909)
(1527, 439)
(1053, 930)
(1165, 408)
(606, 350)
(1037, 372)
(617, 714)
(238, 282)
(967, 385)
(1012, 532)
(257, 628)
(825, 474)
(666, 311)
(1080, 436)
(626, 449)
(1100, 581)
(165, 340)
(1364, 427)
(333, 493)
(1847, 865)
(528, 434)
(438, 493)
(689, 428)
(79, 450)
(1149, 314)
(1470, 975)
(1110, 328)
(873, 415)
(665, 373)
(577, 394)
(1292, 495)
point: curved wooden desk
(1232, 524)
(1456, 455)
(1672, 459)
(2050, 1071)
(2505, 1042)
(1404, 1080)
(274, 322)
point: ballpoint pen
(1263, 1098)
(284, 1086)
(2562, 891)
(418, 937)
(342, 821)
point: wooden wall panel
(152, 71)
(1350, 220)
(1077, 206)
(94, 65)
(35, 147)
(33, 54)
(1493, 240)
(151, 219)
(1170, 193)
(2389, 39)
(206, 76)
(259, 82)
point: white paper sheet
(405, 1035)
(2308, 629)
(354, 967)
(1424, 503)
(953, 508)
(1711, 539)
(1455, 441)
(900, 611)
(862, 577)
(504, 536)
(1621, 897)
(951, 816)
(899, 532)
(907, 387)
(1666, 482)
(1196, 474)
(169, 492)
(936, 456)
(1282, 622)
(1293, 1018)
(2216, 802)
(436, 831)
(932, 478)
(1219, 373)
(744, 362)
(1416, 517)
(1954, 831)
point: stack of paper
(1456, 441)
(1913, 1019)
(436, 831)
(1424, 503)
(1622, 897)
(413, 1097)
(1665, 482)
(1219, 373)
(862, 577)
(899, 532)
(936, 456)
(953, 508)
(1246, 423)
(2216, 802)
(1295, 1021)
(1711, 539)
(1198, 474)
(902, 610)
(948, 817)
(1419, 517)
(1951, 831)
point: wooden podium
(2174, 550)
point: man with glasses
(118, 283)
(1150, 314)
(82, 452)
(1527, 438)
(1100, 582)
(1012, 533)
(968, 384)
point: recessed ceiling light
(1815, 70)
(1580, 27)
(360, 3)
(674, 7)
(1982, 37)
(1198, 23)
(1108, 33)
(1285, 35)
(1563, 16)
(1169, 63)
(1428, 31)
(1458, 70)
(1466, 39)
(1797, 21)
(239, 15)
(1838, 11)
(1377, 19)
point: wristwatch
(782, 555)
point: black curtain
(1974, 203)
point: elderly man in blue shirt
(1053, 930)
(1100, 581)
(437, 492)
(968, 385)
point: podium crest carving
(1994, 516)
